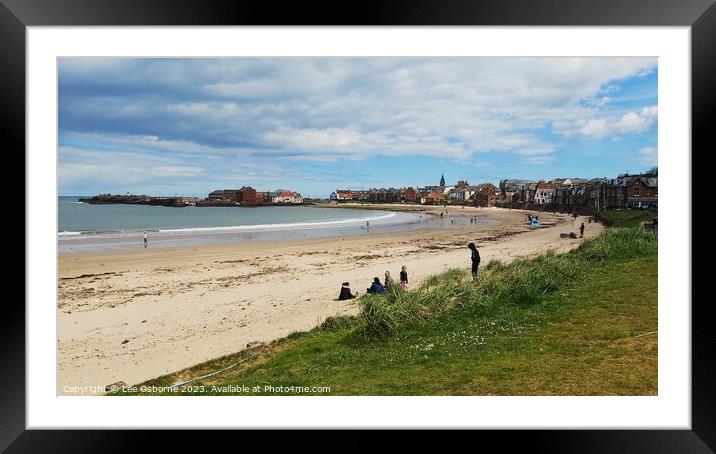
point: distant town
(574, 194)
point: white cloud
(595, 129)
(648, 156)
(599, 128)
(81, 166)
(318, 109)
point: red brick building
(231, 194)
(433, 198)
(641, 192)
(410, 195)
(344, 194)
(247, 196)
(485, 195)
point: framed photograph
(416, 216)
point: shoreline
(132, 316)
(403, 219)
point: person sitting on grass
(346, 292)
(376, 287)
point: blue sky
(189, 126)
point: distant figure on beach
(367, 224)
(452, 220)
(388, 280)
(404, 278)
(346, 292)
(441, 215)
(581, 230)
(376, 287)
(475, 258)
(146, 241)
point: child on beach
(403, 278)
(145, 239)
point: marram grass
(523, 282)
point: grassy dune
(580, 323)
(628, 217)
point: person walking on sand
(581, 230)
(475, 258)
(146, 241)
(403, 278)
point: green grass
(581, 323)
(628, 217)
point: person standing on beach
(403, 278)
(581, 230)
(475, 257)
(367, 224)
(146, 241)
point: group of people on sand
(376, 286)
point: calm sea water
(82, 226)
(75, 217)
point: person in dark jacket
(404, 278)
(346, 292)
(475, 257)
(581, 230)
(376, 287)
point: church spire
(442, 180)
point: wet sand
(134, 315)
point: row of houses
(481, 195)
(249, 196)
(624, 191)
(630, 191)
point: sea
(87, 227)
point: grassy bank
(628, 217)
(581, 323)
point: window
(636, 191)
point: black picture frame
(700, 15)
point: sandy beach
(134, 315)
